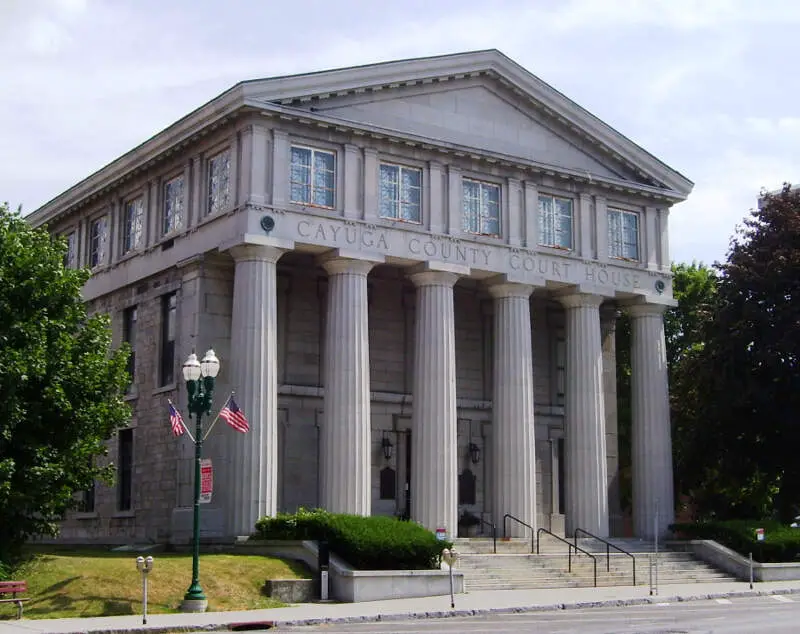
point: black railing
(609, 546)
(569, 551)
(494, 532)
(507, 517)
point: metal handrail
(494, 532)
(519, 521)
(569, 551)
(609, 545)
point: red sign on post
(206, 481)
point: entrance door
(404, 465)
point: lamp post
(200, 393)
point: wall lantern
(387, 447)
(474, 453)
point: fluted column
(345, 433)
(254, 457)
(585, 427)
(652, 441)
(513, 431)
(434, 479)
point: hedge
(366, 543)
(781, 543)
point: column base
(194, 605)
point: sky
(707, 86)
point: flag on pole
(175, 420)
(234, 416)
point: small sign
(760, 534)
(206, 481)
(441, 534)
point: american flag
(234, 416)
(175, 420)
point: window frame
(310, 185)
(71, 256)
(125, 247)
(621, 242)
(100, 249)
(540, 221)
(398, 202)
(481, 215)
(166, 353)
(226, 206)
(173, 228)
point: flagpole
(227, 400)
(185, 428)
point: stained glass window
(134, 225)
(313, 177)
(400, 197)
(481, 208)
(555, 222)
(173, 205)
(623, 234)
(219, 187)
(98, 241)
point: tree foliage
(739, 393)
(61, 389)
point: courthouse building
(410, 272)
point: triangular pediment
(479, 100)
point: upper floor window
(125, 470)
(169, 313)
(401, 193)
(623, 234)
(129, 318)
(98, 241)
(555, 222)
(134, 225)
(313, 177)
(173, 205)
(71, 256)
(481, 208)
(219, 185)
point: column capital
(339, 261)
(256, 253)
(250, 246)
(581, 300)
(645, 310)
(500, 290)
(434, 278)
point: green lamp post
(199, 377)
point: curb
(438, 614)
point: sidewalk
(473, 603)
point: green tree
(745, 385)
(61, 388)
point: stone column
(254, 458)
(585, 425)
(514, 444)
(652, 442)
(434, 477)
(345, 433)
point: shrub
(4, 572)
(366, 543)
(781, 543)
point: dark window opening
(466, 487)
(169, 305)
(388, 487)
(125, 470)
(129, 319)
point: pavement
(468, 604)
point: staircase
(515, 568)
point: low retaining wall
(291, 590)
(733, 563)
(349, 585)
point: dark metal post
(195, 592)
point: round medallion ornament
(267, 223)
(660, 286)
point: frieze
(522, 263)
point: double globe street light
(199, 377)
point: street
(775, 614)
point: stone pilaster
(434, 478)
(514, 443)
(652, 442)
(345, 433)
(585, 425)
(253, 473)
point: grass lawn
(82, 583)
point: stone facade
(361, 248)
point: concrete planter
(733, 563)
